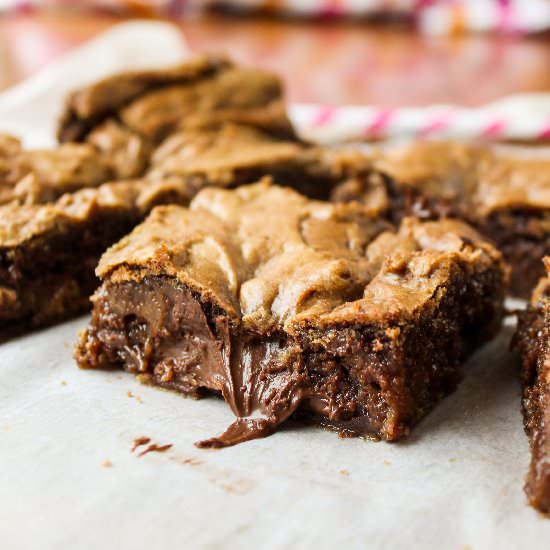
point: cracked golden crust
(42, 175)
(92, 103)
(13, 165)
(445, 169)
(217, 156)
(236, 154)
(482, 180)
(20, 223)
(123, 151)
(219, 153)
(203, 92)
(274, 259)
(506, 182)
(66, 169)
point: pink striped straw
(332, 8)
(494, 130)
(379, 123)
(545, 132)
(323, 116)
(505, 15)
(437, 124)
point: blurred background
(388, 53)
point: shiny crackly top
(201, 92)
(482, 179)
(21, 223)
(12, 168)
(104, 96)
(218, 152)
(42, 175)
(232, 154)
(274, 259)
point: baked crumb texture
(60, 209)
(109, 130)
(284, 305)
(48, 252)
(235, 154)
(41, 175)
(160, 137)
(505, 195)
(532, 340)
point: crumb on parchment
(154, 448)
(139, 441)
(131, 395)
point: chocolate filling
(374, 379)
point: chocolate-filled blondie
(282, 304)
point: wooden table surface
(321, 62)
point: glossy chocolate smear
(161, 332)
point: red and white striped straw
(522, 117)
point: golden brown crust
(445, 169)
(505, 194)
(477, 177)
(219, 153)
(203, 92)
(13, 165)
(39, 176)
(88, 105)
(48, 252)
(235, 154)
(20, 223)
(506, 182)
(278, 259)
(54, 172)
(125, 152)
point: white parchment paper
(68, 479)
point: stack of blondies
(225, 255)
